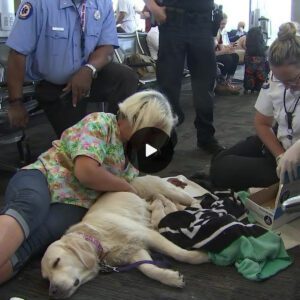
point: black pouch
(217, 16)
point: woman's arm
(92, 175)
(263, 125)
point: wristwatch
(94, 70)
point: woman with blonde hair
(43, 199)
(275, 151)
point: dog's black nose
(55, 291)
(76, 282)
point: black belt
(179, 15)
(183, 11)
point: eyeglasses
(293, 82)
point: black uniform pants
(189, 36)
(114, 83)
(247, 164)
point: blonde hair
(285, 50)
(148, 109)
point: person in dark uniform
(67, 46)
(185, 32)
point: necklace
(289, 115)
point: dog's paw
(173, 278)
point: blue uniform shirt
(49, 34)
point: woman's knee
(27, 199)
(219, 170)
(6, 272)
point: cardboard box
(265, 206)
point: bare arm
(120, 17)
(263, 126)
(17, 113)
(101, 56)
(93, 176)
(81, 81)
(15, 74)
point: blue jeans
(28, 201)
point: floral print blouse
(96, 136)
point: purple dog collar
(94, 241)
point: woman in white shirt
(275, 151)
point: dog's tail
(157, 242)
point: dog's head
(67, 264)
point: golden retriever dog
(115, 231)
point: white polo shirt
(270, 103)
(129, 23)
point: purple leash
(104, 268)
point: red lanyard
(83, 15)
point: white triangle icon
(150, 150)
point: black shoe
(212, 147)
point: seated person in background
(153, 41)
(228, 61)
(125, 14)
(260, 160)
(235, 34)
(88, 160)
(71, 68)
(256, 65)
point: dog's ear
(83, 250)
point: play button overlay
(150, 150)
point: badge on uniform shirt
(97, 15)
(266, 84)
(25, 11)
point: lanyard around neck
(289, 115)
(83, 16)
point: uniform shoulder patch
(266, 85)
(25, 11)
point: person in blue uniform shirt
(186, 33)
(67, 46)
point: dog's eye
(76, 282)
(56, 262)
